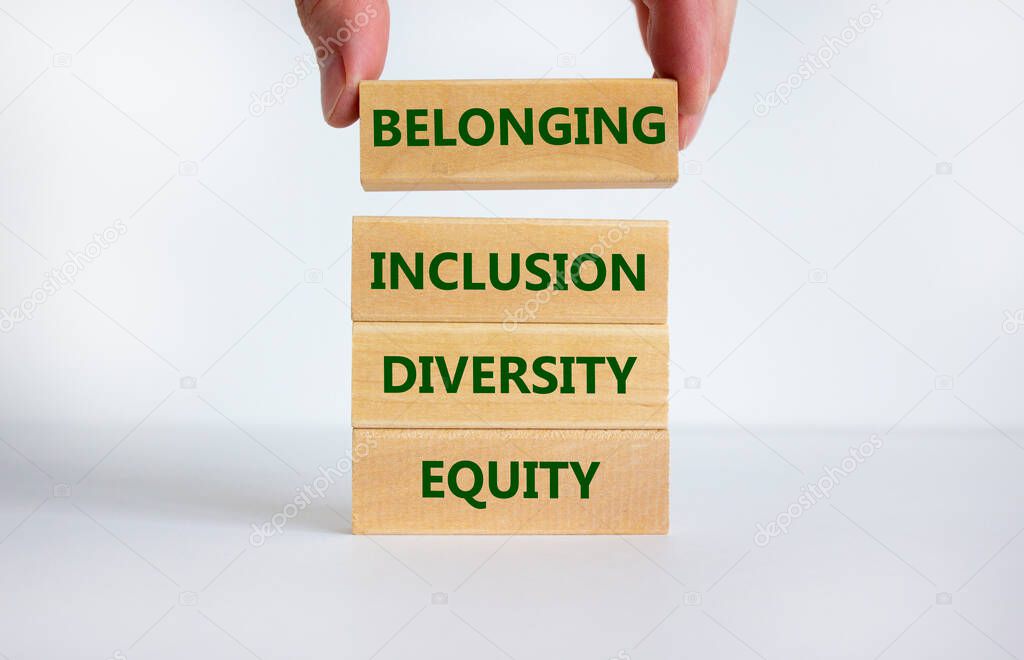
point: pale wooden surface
(644, 405)
(518, 166)
(481, 236)
(628, 494)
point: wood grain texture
(480, 237)
(627, 495)
(644, 404)
(515, 165)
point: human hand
(687, 40)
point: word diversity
(445, 375)
(557, 373)
(511, 375)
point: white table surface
(149, 556)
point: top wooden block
(515, 134)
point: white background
(842, 267)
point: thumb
(680, 37)
(350, 39)
(688, 40)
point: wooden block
(476, 374)
(401, 482)
(450, 269)
(511, 134)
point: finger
(350, 38)
(680, 39)
(688, 127)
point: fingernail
(332, 84)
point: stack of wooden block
(511, 375)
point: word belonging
(559, 125)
